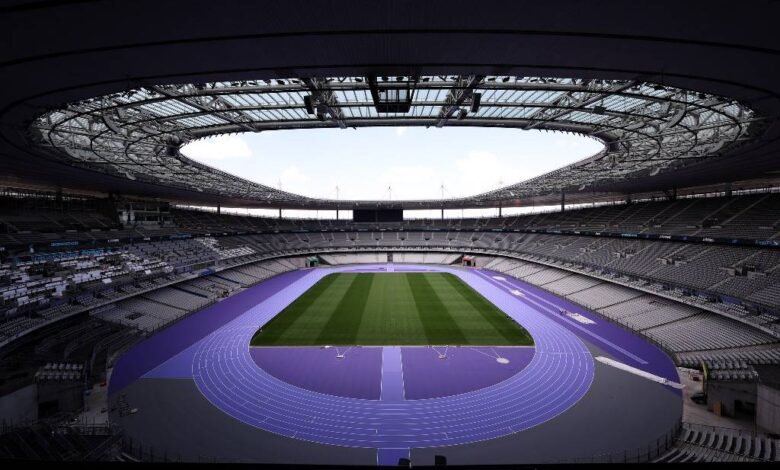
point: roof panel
(630, 111)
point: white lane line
(639, 372)
(519, 401)
(566, 319)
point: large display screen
(378, 215)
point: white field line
(639, 372)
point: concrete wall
(768, 409)
(20, 405)
(481, 261)
(727, 393)
(68, 395)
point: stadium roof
(646, 128)
(92, 102)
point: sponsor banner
(64, 243)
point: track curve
(558, 376)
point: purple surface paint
(357, 374)
(392, 374)
(430, 402)
(463, 369)
(654, 360)
(169, 342)
(557, 376)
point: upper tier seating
(46, 286)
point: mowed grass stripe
(343, 325)
(492, 318)
(391, 309)
(305, 330)
(277, 329)
(469, 318)
(391, 314)
(439, 326)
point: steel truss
(646, 128)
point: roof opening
(400, 163)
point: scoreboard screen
(378, 215)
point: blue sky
(413, 161)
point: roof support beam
(596, 96)
(325, 100)
(646, 127)
(222, 114)
(462, 91)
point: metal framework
(646, 128)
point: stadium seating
(158, 308)
(750, 217)
(699, 443)
(697, 300)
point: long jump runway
(558, 375)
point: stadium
(621, 308)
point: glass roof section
(647, 128)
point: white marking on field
(499, 278)
(517, 293)
(580, 318)
(639, 372)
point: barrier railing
(643, 454)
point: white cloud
(293, 179)
(569, 141)
(481, 171)
(223, 148)
(478, 163)
(415, 181)
(414, 162)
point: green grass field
(391, 309)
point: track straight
(558, 375)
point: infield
(348, 309)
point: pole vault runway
(558, 375)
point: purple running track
(162, 346)
(392, 374)
(359, 373)
(558, 375)
(625, 345)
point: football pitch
(347, 309)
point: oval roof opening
(378, 163)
